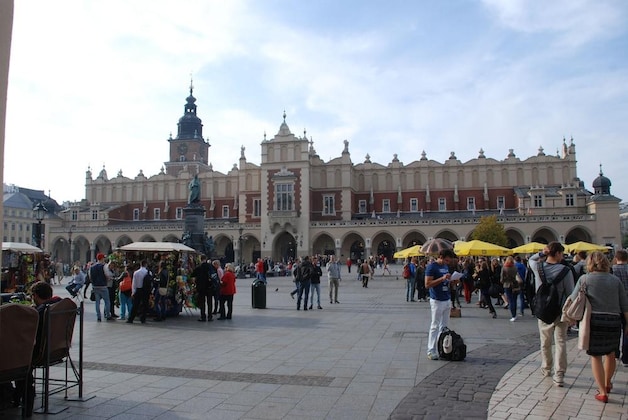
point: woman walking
(512, 284)
(608, 300)
(227, 290)
(484, 277)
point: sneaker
(432, 356)
(559, 381)
(520, 313)
(320, 307)
(513, 319)
(494, 314)
(335, 301)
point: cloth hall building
(293, 203)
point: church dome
(601, 184)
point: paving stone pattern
(463, 389)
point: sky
(103, 83)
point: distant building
(19, 218)
(294, 203)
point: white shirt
(138, 279)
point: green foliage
(491, 231)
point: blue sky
(104, 83)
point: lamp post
(241, 272)
(39, 212)
(70, 243)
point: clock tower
(188, 148)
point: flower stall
(176, 256)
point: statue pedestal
(194, 225)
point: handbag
(573, 310)
(494, 290)
(163, 291)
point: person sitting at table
(41, 293)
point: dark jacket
(201, 274)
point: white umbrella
(20, 247)
(156, 247)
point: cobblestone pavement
(361, 359)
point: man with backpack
(554, 282)
(99, 286)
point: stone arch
(544, 235)
(147, 238)
(413, 238)
(515, 237)
(578, 233)
(323, 244)
(102, 244)
(383, 244)
(122, 240)
(82, 249)
(60, 249)
(171, 238)
(223, 247)
(447, 234)
(284, 247)
(353, 246)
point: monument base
(194, 227)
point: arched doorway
(384, 243)
(284, 247)
(515, 238)
(414, 238)
(324, 245)
(577, 234)
(544, 236)
(357, 251)
(447, 234)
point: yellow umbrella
(585, 246)
(413, 251)
(478, 248)
(529, 248)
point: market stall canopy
(479, 248)
(156, 247)
(20, 247)
(413, 251)
(585, 246)
(434, 246)
(529, 248)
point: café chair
(55, 341)
(18, 330)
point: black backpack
(547, 301)
(147, 282)
(451, 346)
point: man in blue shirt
(437, 280)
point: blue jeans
(304, 287)
(316, 287)
(126, 304)
(160, 305)
(102, 292)
(410, 283)
(512, 301)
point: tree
(491, 231)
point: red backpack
(406, 271)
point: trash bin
(258, 294)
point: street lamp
(241, 272)
(39, 212)
(70, 243)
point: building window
(28, 228)
(257, 207)
(225, 212)
(569, 200)
(19, 227)
(471, 203)
(12, 227)
(178, 213)
(442, 204)
(74, 215)
(414, 205)
(538, 201)
(94, 214)
(136, 214)
(501, 202)
(386, 205)
(156, 214)
(362, 206)
(329, 205)
(284, 197)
